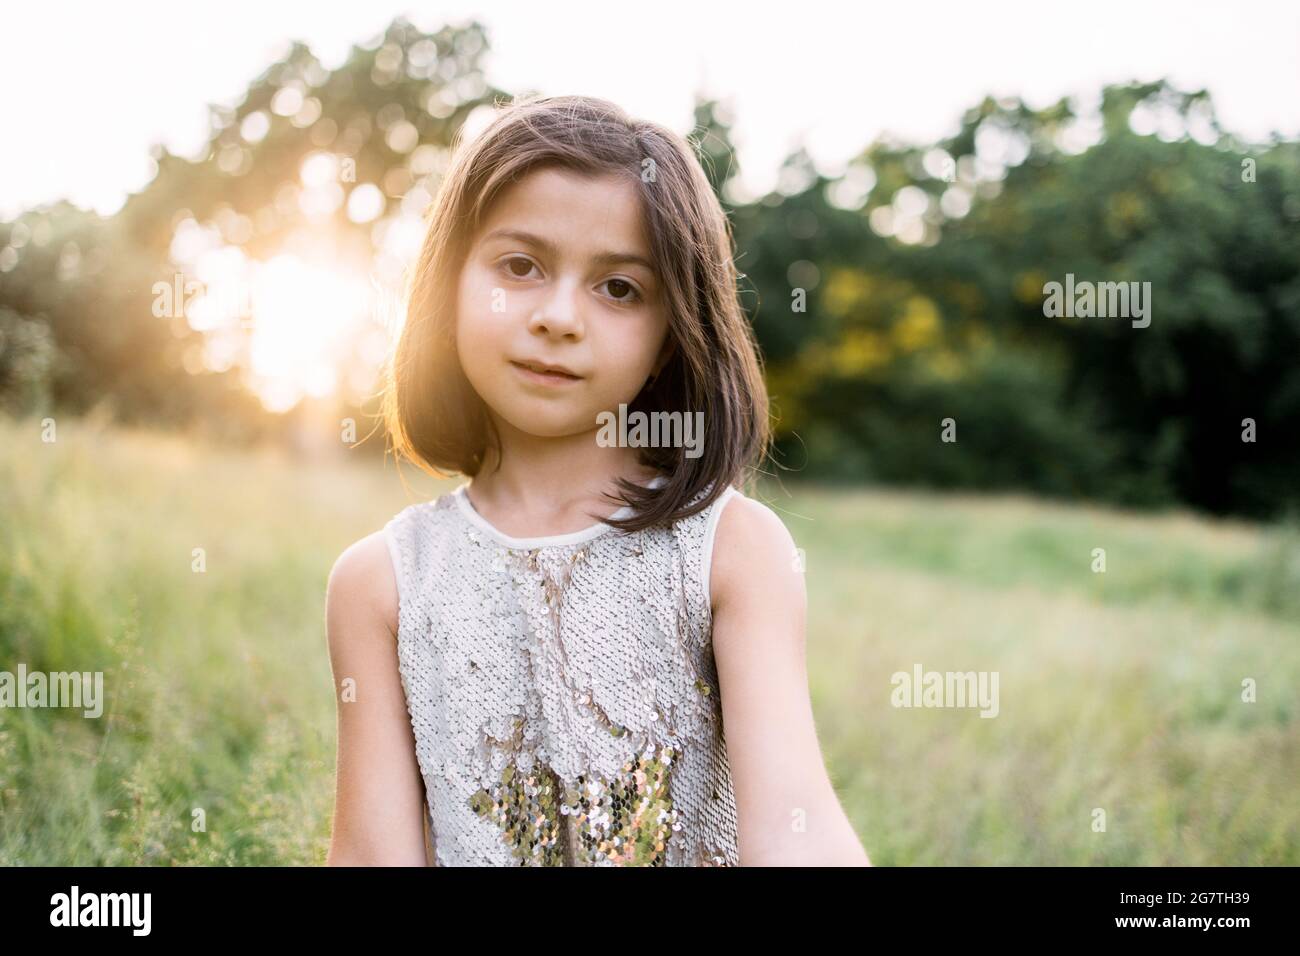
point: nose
(559, 315)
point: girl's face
(559, 275)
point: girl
(535, 688)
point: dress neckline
(544, 541)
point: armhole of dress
(710, 532)
(395, 555)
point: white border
(711, 529)
(395, 555)
(545, 541)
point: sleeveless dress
(562, 690)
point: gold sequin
(624, 821)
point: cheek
(627, 355)
(474, 334)
(477, 324)
(637, 346)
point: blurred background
(205, 226)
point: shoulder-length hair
(436, 419)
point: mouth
(554, 374)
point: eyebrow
(604, 259)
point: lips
(545, 368)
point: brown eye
(515, 261)
(622, 290)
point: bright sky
(89, 86)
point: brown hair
(434, 416)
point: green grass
(1119, 691)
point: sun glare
(306, 320)
(298, 325)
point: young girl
(534, 687)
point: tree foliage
(897, 304)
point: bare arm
(788, 812)
(379, 794)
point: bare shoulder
(760, 644)
(362, 586)
(379, 801)
(753, 551)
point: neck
(540, 476)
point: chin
(547, 422)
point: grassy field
(1118, 691)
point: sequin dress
(562, 690)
